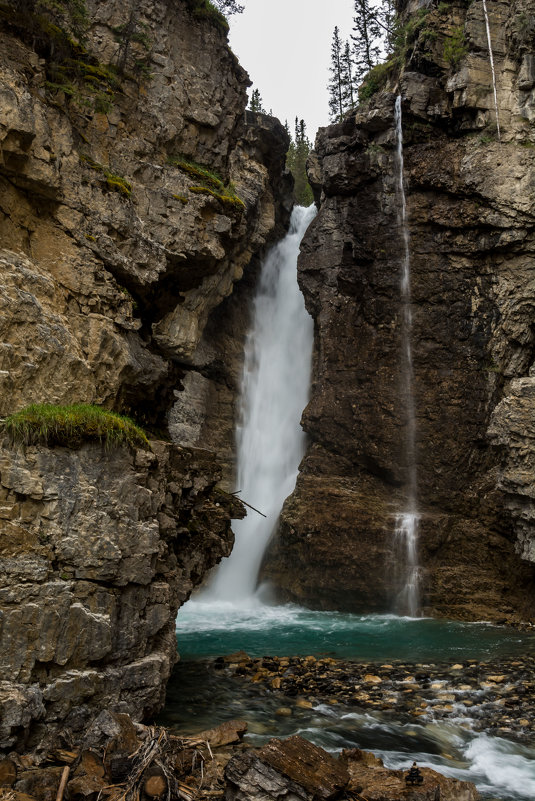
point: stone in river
(371, 679)
(291, 769)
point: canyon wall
(134, 192)
(471, 215)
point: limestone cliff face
(471, 218)
(98, 551)
(137, 274)
(114, 263)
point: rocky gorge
(470, 222)
(137, 198)
(134, 193)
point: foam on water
(212, 628)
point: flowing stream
(275, 386)
(406, 524)
(229, 616)
(452, 742)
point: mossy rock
(71, 426)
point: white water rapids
(275, 386)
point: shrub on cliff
(71, 426)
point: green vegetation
(182, 198)
(455, 47)
(211, 183)
(55, 27)
(256, 103)
(71, 426)
(113, 181)
(296, 159)
(375, 80)
(209, 177)
(230, 201)
(204, 9)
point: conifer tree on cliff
(255, 103)
(229, 7)
(348, 79)
(296, 160)
(386, 18)
(366, 38)
(336, 86)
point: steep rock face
(116, 255)
(471, 224)
(98, 551)
(138, 272)
(205, 412)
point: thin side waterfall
(275, 387)
(491, 57)
(406, 524)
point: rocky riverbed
(495, 696)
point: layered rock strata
(471, 222)
(134, 193)
(98, 551)
(134, 250)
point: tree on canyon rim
(228, 7)
(256, 103)
(296, 159)
(372, 33)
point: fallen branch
(63, 782)
(248, 504)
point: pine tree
(335, 87)
(228, 7)
(386, 19)
(366, 38)
(296, 159)
(348, 81)
(255, 103)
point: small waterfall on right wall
(491, 58)
(406, 524)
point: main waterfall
(275, 385)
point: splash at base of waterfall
(406, 556)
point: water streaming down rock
(491, 59)
(275, 388)
(406, 523)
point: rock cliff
(98, 551)
(471, 215)
(134, 192)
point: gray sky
(285, 46)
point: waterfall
(406, 524)
(491, 57)
(274, 392)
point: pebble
(499, 694)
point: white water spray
(406, 524)
(275, 386)
(491, 58)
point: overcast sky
(285, 46)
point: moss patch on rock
(71, 426)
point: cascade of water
(406, 524)
(491, 57)
(275, 385)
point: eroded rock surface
(98, 551)
(470, 216)
(114, 261)
(135, 251)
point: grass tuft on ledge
(71, 426)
